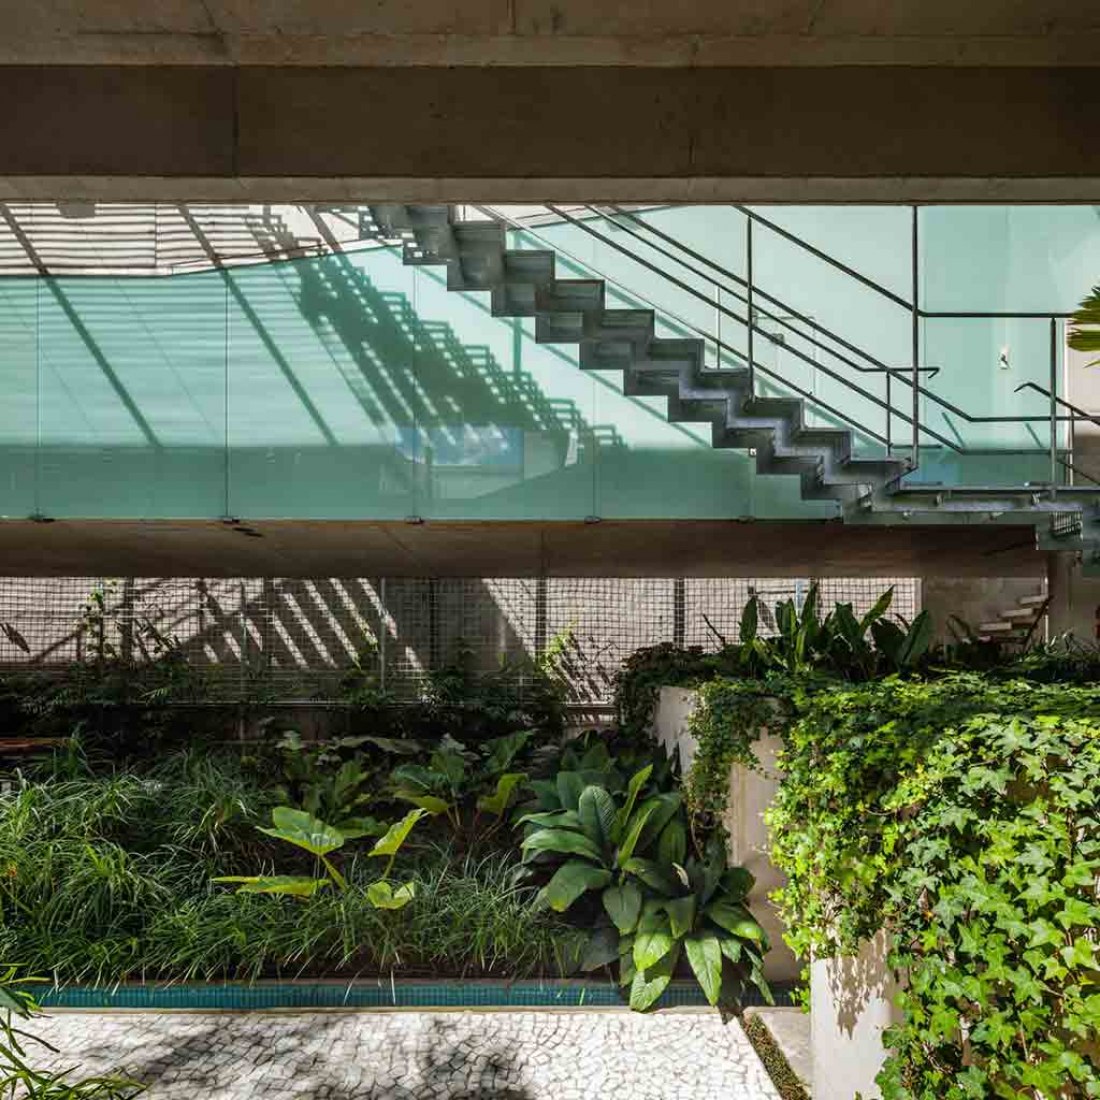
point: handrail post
(749, 304)
(916, 342)
(1053, 404)
(889, 416)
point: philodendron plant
(703, 917)
(658, 902)
(312, 835)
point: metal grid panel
(294, 638)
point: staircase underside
(628, 548)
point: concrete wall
(851, 1003)
(978, 600)
(750, 793)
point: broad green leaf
(888, 638)
(596, 809)
(653, 940)
(665, 807)
(382, 895)
(397, 745)
(303, 830)
(637, 781)
(652, 874)
(736, 883)
(297, 886)
(633, 831)
(624, 906)
(570, 881)
(503, 750)
(672, 843)
(430, 803)
(626, 960)
(546, 794)
(416, 777)
(681, 914)
(882, 605)
(397, 834)
(736, 919)
(602, 949)
(555, 819)
(750, 619)
(560, 840)
(498, 801)
(647, 986)
(450, 765)
(570, 785)
(704, 953)
(917, 640)
(353, 828)
(731, 947)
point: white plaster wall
(851, 1003)
(751, 792)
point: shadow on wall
(855, 981)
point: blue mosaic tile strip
(287, 995)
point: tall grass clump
(106, 877)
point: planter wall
(751, 792)
(851, 1003)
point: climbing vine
(729, 717)
(964, 817)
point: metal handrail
(970, 418)
(1080, 413)
(752, 215)
(873, 398)
(692, 327)
(878, 365)
(897, 299)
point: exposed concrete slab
(610, 548)
(670, 126)
(548, 32)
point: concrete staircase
(523, 283)
(1016, 625)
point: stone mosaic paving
(515, 1055)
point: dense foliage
(964, 815)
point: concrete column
(1074, 599)
(750, 793)
(851, 1004)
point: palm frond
(1084, 333)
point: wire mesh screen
(292, 639)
